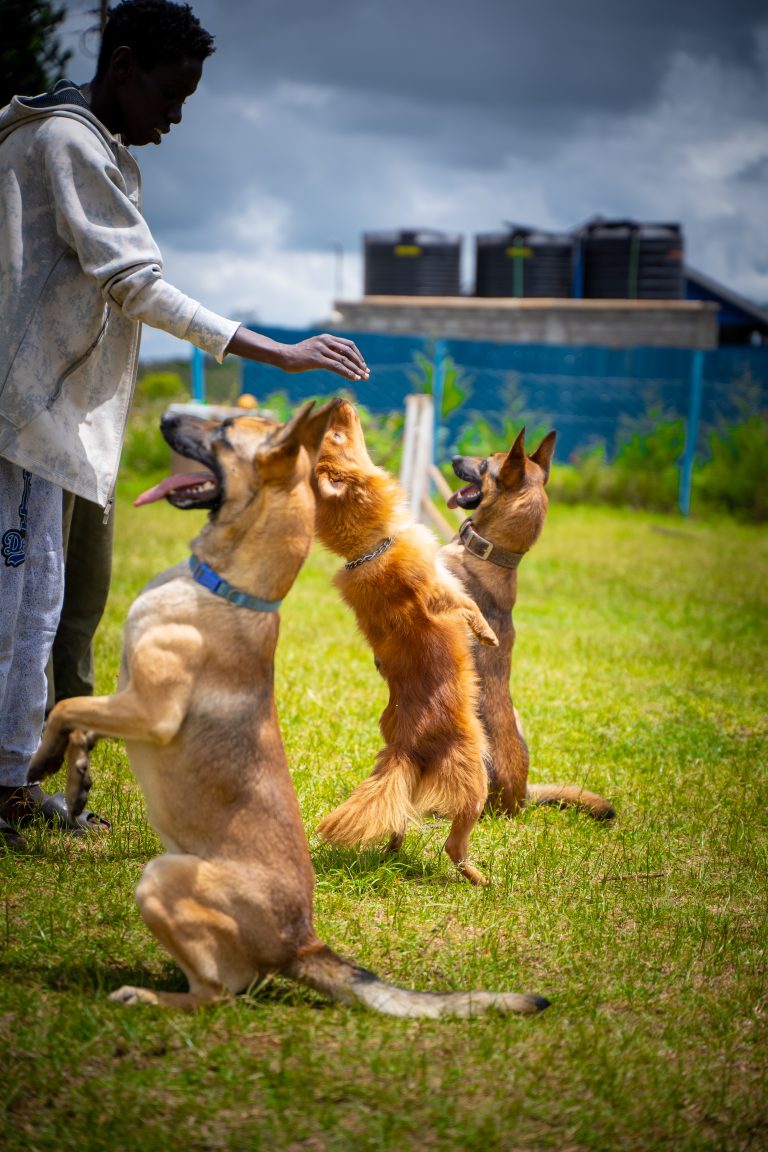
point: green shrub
(647, 464)
(733, 479)
(145, 451)
(166, 386)
(587, 479)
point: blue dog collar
(206, 576)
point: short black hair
(156, 31)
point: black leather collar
(484, 550)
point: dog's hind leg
(396, 841)
(195, 909)
(457, 844)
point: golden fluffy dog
(419, 622)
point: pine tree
(31, 59)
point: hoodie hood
(64, 99)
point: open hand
(334, 353)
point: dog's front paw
(489, 638)
(50, 755)
(482, 629)
(78, 771)
(132, 997)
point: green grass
(640, 671)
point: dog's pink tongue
(470, 490)
(170, 484)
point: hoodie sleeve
(98, 219)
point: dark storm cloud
(463, 85)
(569, 56)
(315, 122)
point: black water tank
(420, 262)
(523, 262)
(622, 259)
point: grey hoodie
(79, 273)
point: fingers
(336, 354)
(346, 358)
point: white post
(417, 452)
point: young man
(79, 274)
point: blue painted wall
(583, 392)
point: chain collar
(484, 550)
(372, 555)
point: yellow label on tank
(407, 250)
(524, 252)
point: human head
(150, 61)
(156, 31)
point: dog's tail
(347, 983)
(570, 796)
(379, 807)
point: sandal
(23, 804)
(11, 838)
(54, 811)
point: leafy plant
(587, 479)
(733, 479)
(647, 464)
(165, 386)
(456, 382)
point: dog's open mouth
(467, 497)
(185, 490)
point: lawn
(641, 672)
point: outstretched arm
(97, 218)
(333, 353)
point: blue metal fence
(584, 392)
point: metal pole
(692, 430)
(198, 375)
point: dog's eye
(483, 467)
(338, 437)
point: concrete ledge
(511, 320)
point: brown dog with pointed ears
(506, 496)
(420, 623)
(232, 897)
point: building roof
(735, 311)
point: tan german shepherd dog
(232, 898)
(506, 495)
(419, 622)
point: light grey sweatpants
(31, 593)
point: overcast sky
(318, 120)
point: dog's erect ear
(305, 429)
(315, 426)
(513, 468)
(543, 454)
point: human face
(151, 100)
